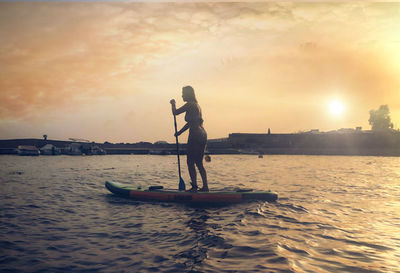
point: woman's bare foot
(204, 189)
(194, 188)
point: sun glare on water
(336, 108)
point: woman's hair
(189, 91)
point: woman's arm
(179, 110)
(184, 128)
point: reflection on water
(200, 240)
(334, 214)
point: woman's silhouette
(197, 139)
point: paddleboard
(158, 193)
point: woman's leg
(195, 152)
(200, 166)
(191, 167)
(203, 174)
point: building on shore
(78, 148)
(50, 149)
(73, 149)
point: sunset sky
(107, 71)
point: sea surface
(334, 214)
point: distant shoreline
(364, 143)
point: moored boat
(28, 150)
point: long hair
(189, 91)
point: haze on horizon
(105, 71)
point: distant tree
(45, 137)
(380, 119)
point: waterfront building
(50, 149)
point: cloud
(53, 52)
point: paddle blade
(182, 185)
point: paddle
(182, 186)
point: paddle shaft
(177, 149)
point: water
(335, 214)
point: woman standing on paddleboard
(197, 139)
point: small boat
(158, 193)
(28, 150)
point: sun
(336, 107)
